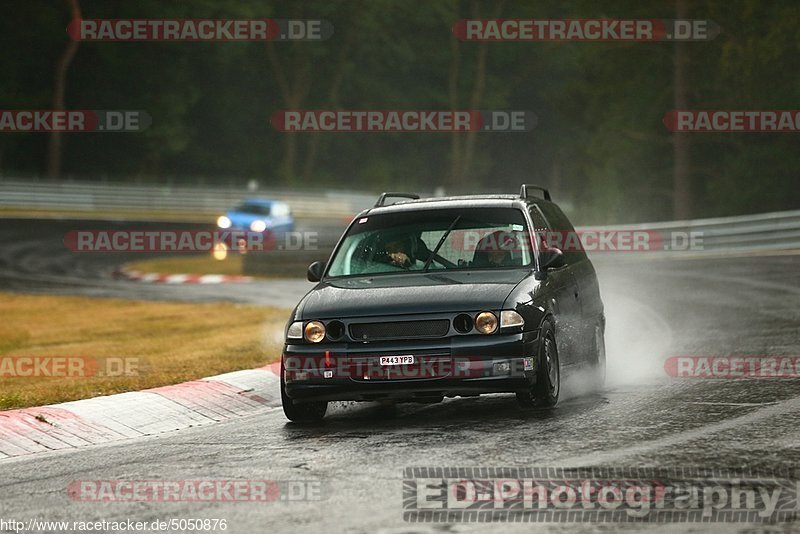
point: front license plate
(397, 360)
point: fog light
(315, 331)
(486, 322)
(301, 375)
(501, 368)
(463, 323)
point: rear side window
(560, 233)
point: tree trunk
(333, 101)
(456, 138)
(478, 90)
(463, 144)
(293, 94)
(54, 149)
(681, 190)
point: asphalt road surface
(641, 418)
(34, 259)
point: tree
(54, 149)
(681, 194)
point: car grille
(399, 330)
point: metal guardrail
(764, 231)
(777, 230)
(182, 201)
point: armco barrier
(181, 202)
(763, 231)
(767, 231)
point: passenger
(494, 250)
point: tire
(548, 373)
(599, 352)
(306, 412)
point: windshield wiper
(440, 243)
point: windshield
(255, 209)
(434, 240)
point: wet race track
(656, 308)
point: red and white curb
(158, 278)
(141, 413)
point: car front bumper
(457, 366)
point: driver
(398, 252)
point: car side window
(560, 232)
(540, 227)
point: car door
(584, 278)
(564, 297)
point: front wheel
(306, 412)
(548, 373)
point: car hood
(410, 293)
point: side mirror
(551, 258)
(315, 271)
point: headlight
(295, 330)
(509, 318)
(315, 331)
(486, 322)
(220, 251)
(223, 222)
(258, 226)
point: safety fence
(180, 202)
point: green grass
(171, 342)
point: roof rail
(523, 191)
(382, 199)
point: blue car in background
(259, 215)
(273, 218)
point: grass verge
(205, 264)
(161, 342)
